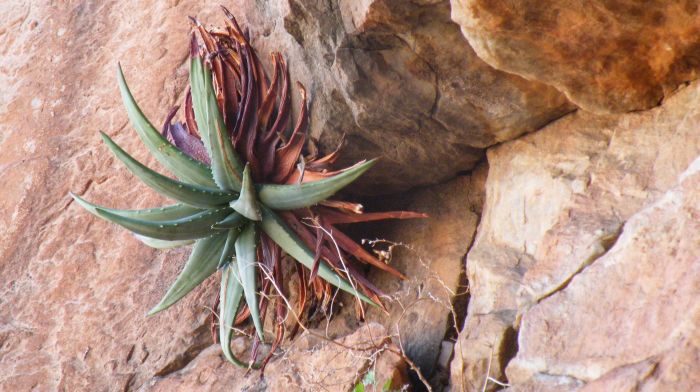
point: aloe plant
(246, 196)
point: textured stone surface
(75, 290)
(638, 305)
(402, 82)
(581, 219)
(606, 56)
(311, 363)
(431, 253)
(556, 201)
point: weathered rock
(483, 344)
(311, 363)
(401, 81)
(546, 383)
(74, 290)
(606, 56)
(556, 201)
(431, 253)
(638, 304)
(673, 369)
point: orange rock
(606, 56)
(312, 363)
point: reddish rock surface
(402, 82)
(556, 202)
(606, 56)
(630, 320)
(75, 290)
(312, 363)
(582, 274)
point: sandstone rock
(632, 309)
(674, 369)
(311, 363)
(430, 252)
(606, 56)
(545, 383)
(400, 80)
(480, 351)
(556, 201)
(74, 290)
(423, 311)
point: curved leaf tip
(290, 197)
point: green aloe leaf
(187, 228)
(290, 197)
(247, 203)
(279, 232)
(162, 244)
(225, 165)
(199, 266)
(177, 162)
(173, 212)
(233, 221)
(193, 195)
(246, 258)
(230, 300)
(229, 248)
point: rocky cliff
(554, 143)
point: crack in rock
(200, 342)
(606, 242)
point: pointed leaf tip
(180, 164)
(290, 197)
(247, 203)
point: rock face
(582, 275)
(606, 56)
(431, 253)
(570, 263)
(650, 278)
(75, 290)
(311, 363)
(400, 80)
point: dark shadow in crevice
(508, 350)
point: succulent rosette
(247, 196)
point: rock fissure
(201, 339)
(460, 301)
(563, 378)
(607, 243)
(507, 351)
(509, 347)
